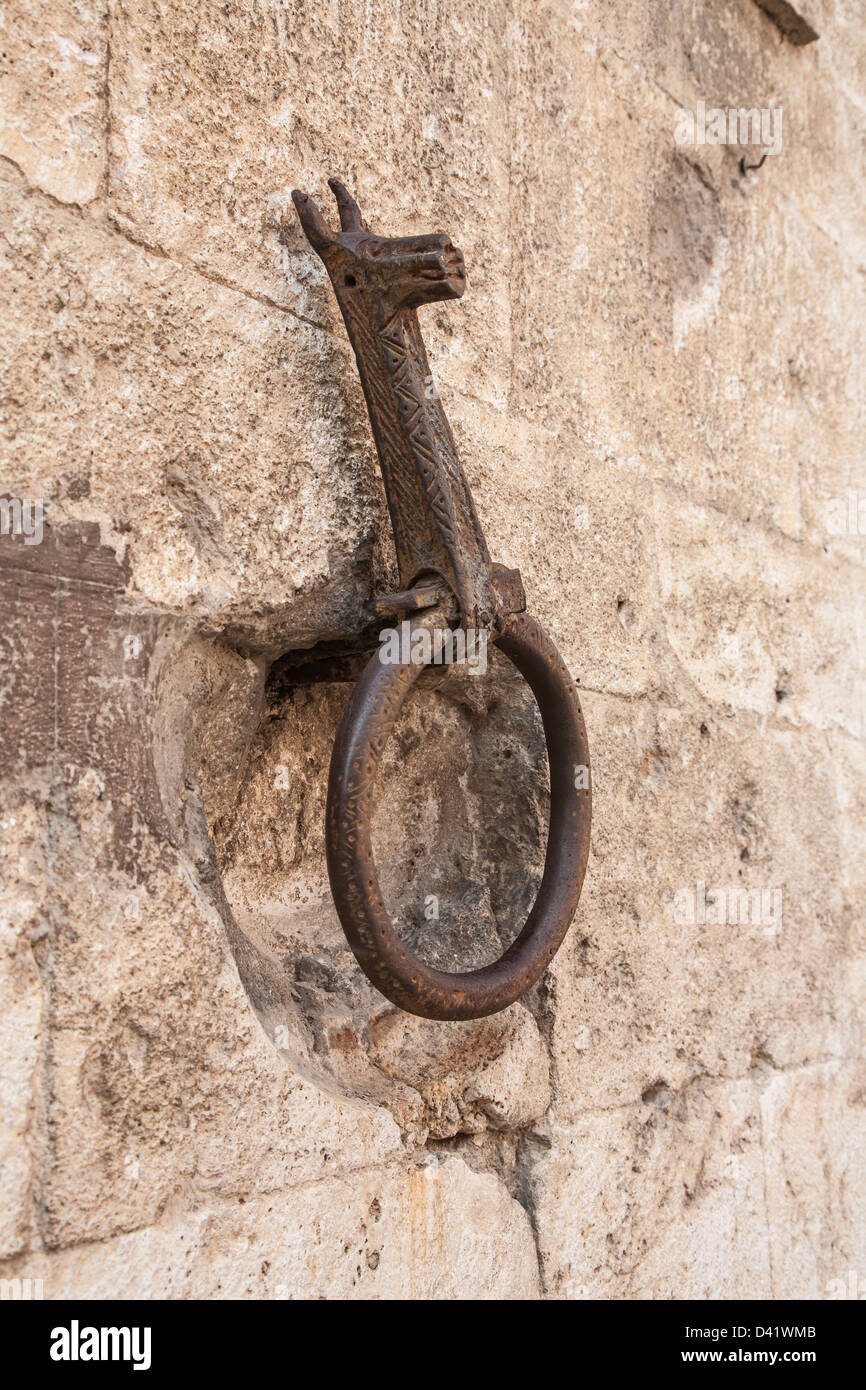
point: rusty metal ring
(367, 723)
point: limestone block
(435, 1231)
(52, 96)
(660, 1199)
(690, 809)
(22, 926)
(217, 116)
(814, 1128)
(755, 653)
(577, 524)
(162, 1079)
(199, 426)
(656, 383)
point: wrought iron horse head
(445, 568)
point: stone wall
(656, 381)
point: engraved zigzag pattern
(402, 484)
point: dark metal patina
(447, 576)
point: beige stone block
(249, 104)
(734, 598)
(205, 431)
(662, 1199)
(432, 1231)
(690, 808)
(656, 383)
(162, 1079)
(659, 248)
(843, 47)
(848, 758)
(578, 526)
(814, 1133)
(53, 96)
(22, 926)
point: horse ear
(350, 213)
(318, 233)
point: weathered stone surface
(22, 900)
(661, 1199)
(666, 259)
(190, 420)
(656, 381)
(600, 568)
(758, 655)
(433, 1231)
(53, 96)
(217, 115)
(814, 1130)
(647, 994)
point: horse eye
(350, 281)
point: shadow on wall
(242, 755)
